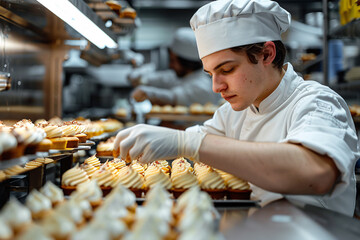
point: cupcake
(182, 178)
(210, 108)
(72, 210)
(237, 188)
(6, 232)
(164, 166)
(32, 165)
(39, 205)
(210, 181)
(9, 146)
(55, 135)
(104, 179)
(103, 223)
(93, 160)
(44, 145)
(130, 179)
(58, 226)
(153, 175)
(16, 215)
(53, 193)
(89, 191)
(44, 160)
(14, 170)
(137, 166)
(118, 163)
(73, 177)
(35, 232)
(31, 135)
(179, 109)
(89, 169)
(196, 108)
(105, 149)
(69, 131)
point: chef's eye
(227, 70)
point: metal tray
(87, 143)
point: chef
(184, 83)
(288, 137)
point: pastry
(89, 169)
(237, 188)
(9, 146)
(16, 215)
(153, 175)
(53, 193)
(104, 179)
(179, 109)
(182, 178)
(93, 160)
(104, 149)
(72, 210)
(130, 179)
(196, 108)
(39, 205)
(44, 145)
(128, 12)
(6, 232)
(210, 181)
(73, 177)
(58, 226)
(89, 191)
(32, 164)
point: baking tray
(87, 143)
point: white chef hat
(225, 24)
(184, 44)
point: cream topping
(153, 175)
(89, 191)
(121, 196)
(105, 147)
(53, 192)
(34, 232)
(209, 178)
(181, 177)
(113, 226)
(74, 176)
(89, 169)
(16, 214)
(68, 130)
(37, 202)
(7, 141)
(53, 131)
(58, 226)
(103, 178)
(118, 163)
(129, 178)
(233, 182)
(93, 160)
(5, 230)
(72, 210)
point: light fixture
(70, 14)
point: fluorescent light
(81, 23)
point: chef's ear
(269, 52)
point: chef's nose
(218, 85)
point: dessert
(179, 109)
(6, 232)
(89, 169)
(196, 108)
(54, 134)
(105, 149)
(153, 175)
(210, 181)
(93, 160)
(182, 177)
(69, 132)
(44, 160)
(210, 108)
(104, 179)
(35, 232)
(2, 176)
(155, 109)
(128, 12)
(16, 215)
(73, 211)
(53, 193)
(167, 109)
(131, 179)
(44, 145)
(89, 191)
(58, 226)
(237, 188)
(9, 146)
(39, 205)
(137, 166)
(30, 134)
(32, 164)
(73, 177)
(118, 163)
(14, 170)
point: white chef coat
(304, 112)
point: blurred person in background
(184, 83)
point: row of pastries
(86, 214)
(26, 137)
(140, 177)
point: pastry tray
(233, 203)
(87, 143)
(69, 150)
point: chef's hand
(139, 94)
(154, 143)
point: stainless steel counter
(282, 220)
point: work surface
(282, 220)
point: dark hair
(254, 49)
(190, 65)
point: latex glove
(153, 143)
(155, 95)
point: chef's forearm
(278, 167)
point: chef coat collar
(281, 93)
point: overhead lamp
(70, 14)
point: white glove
(157, 143)
(155, 95)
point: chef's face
(240, 82)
